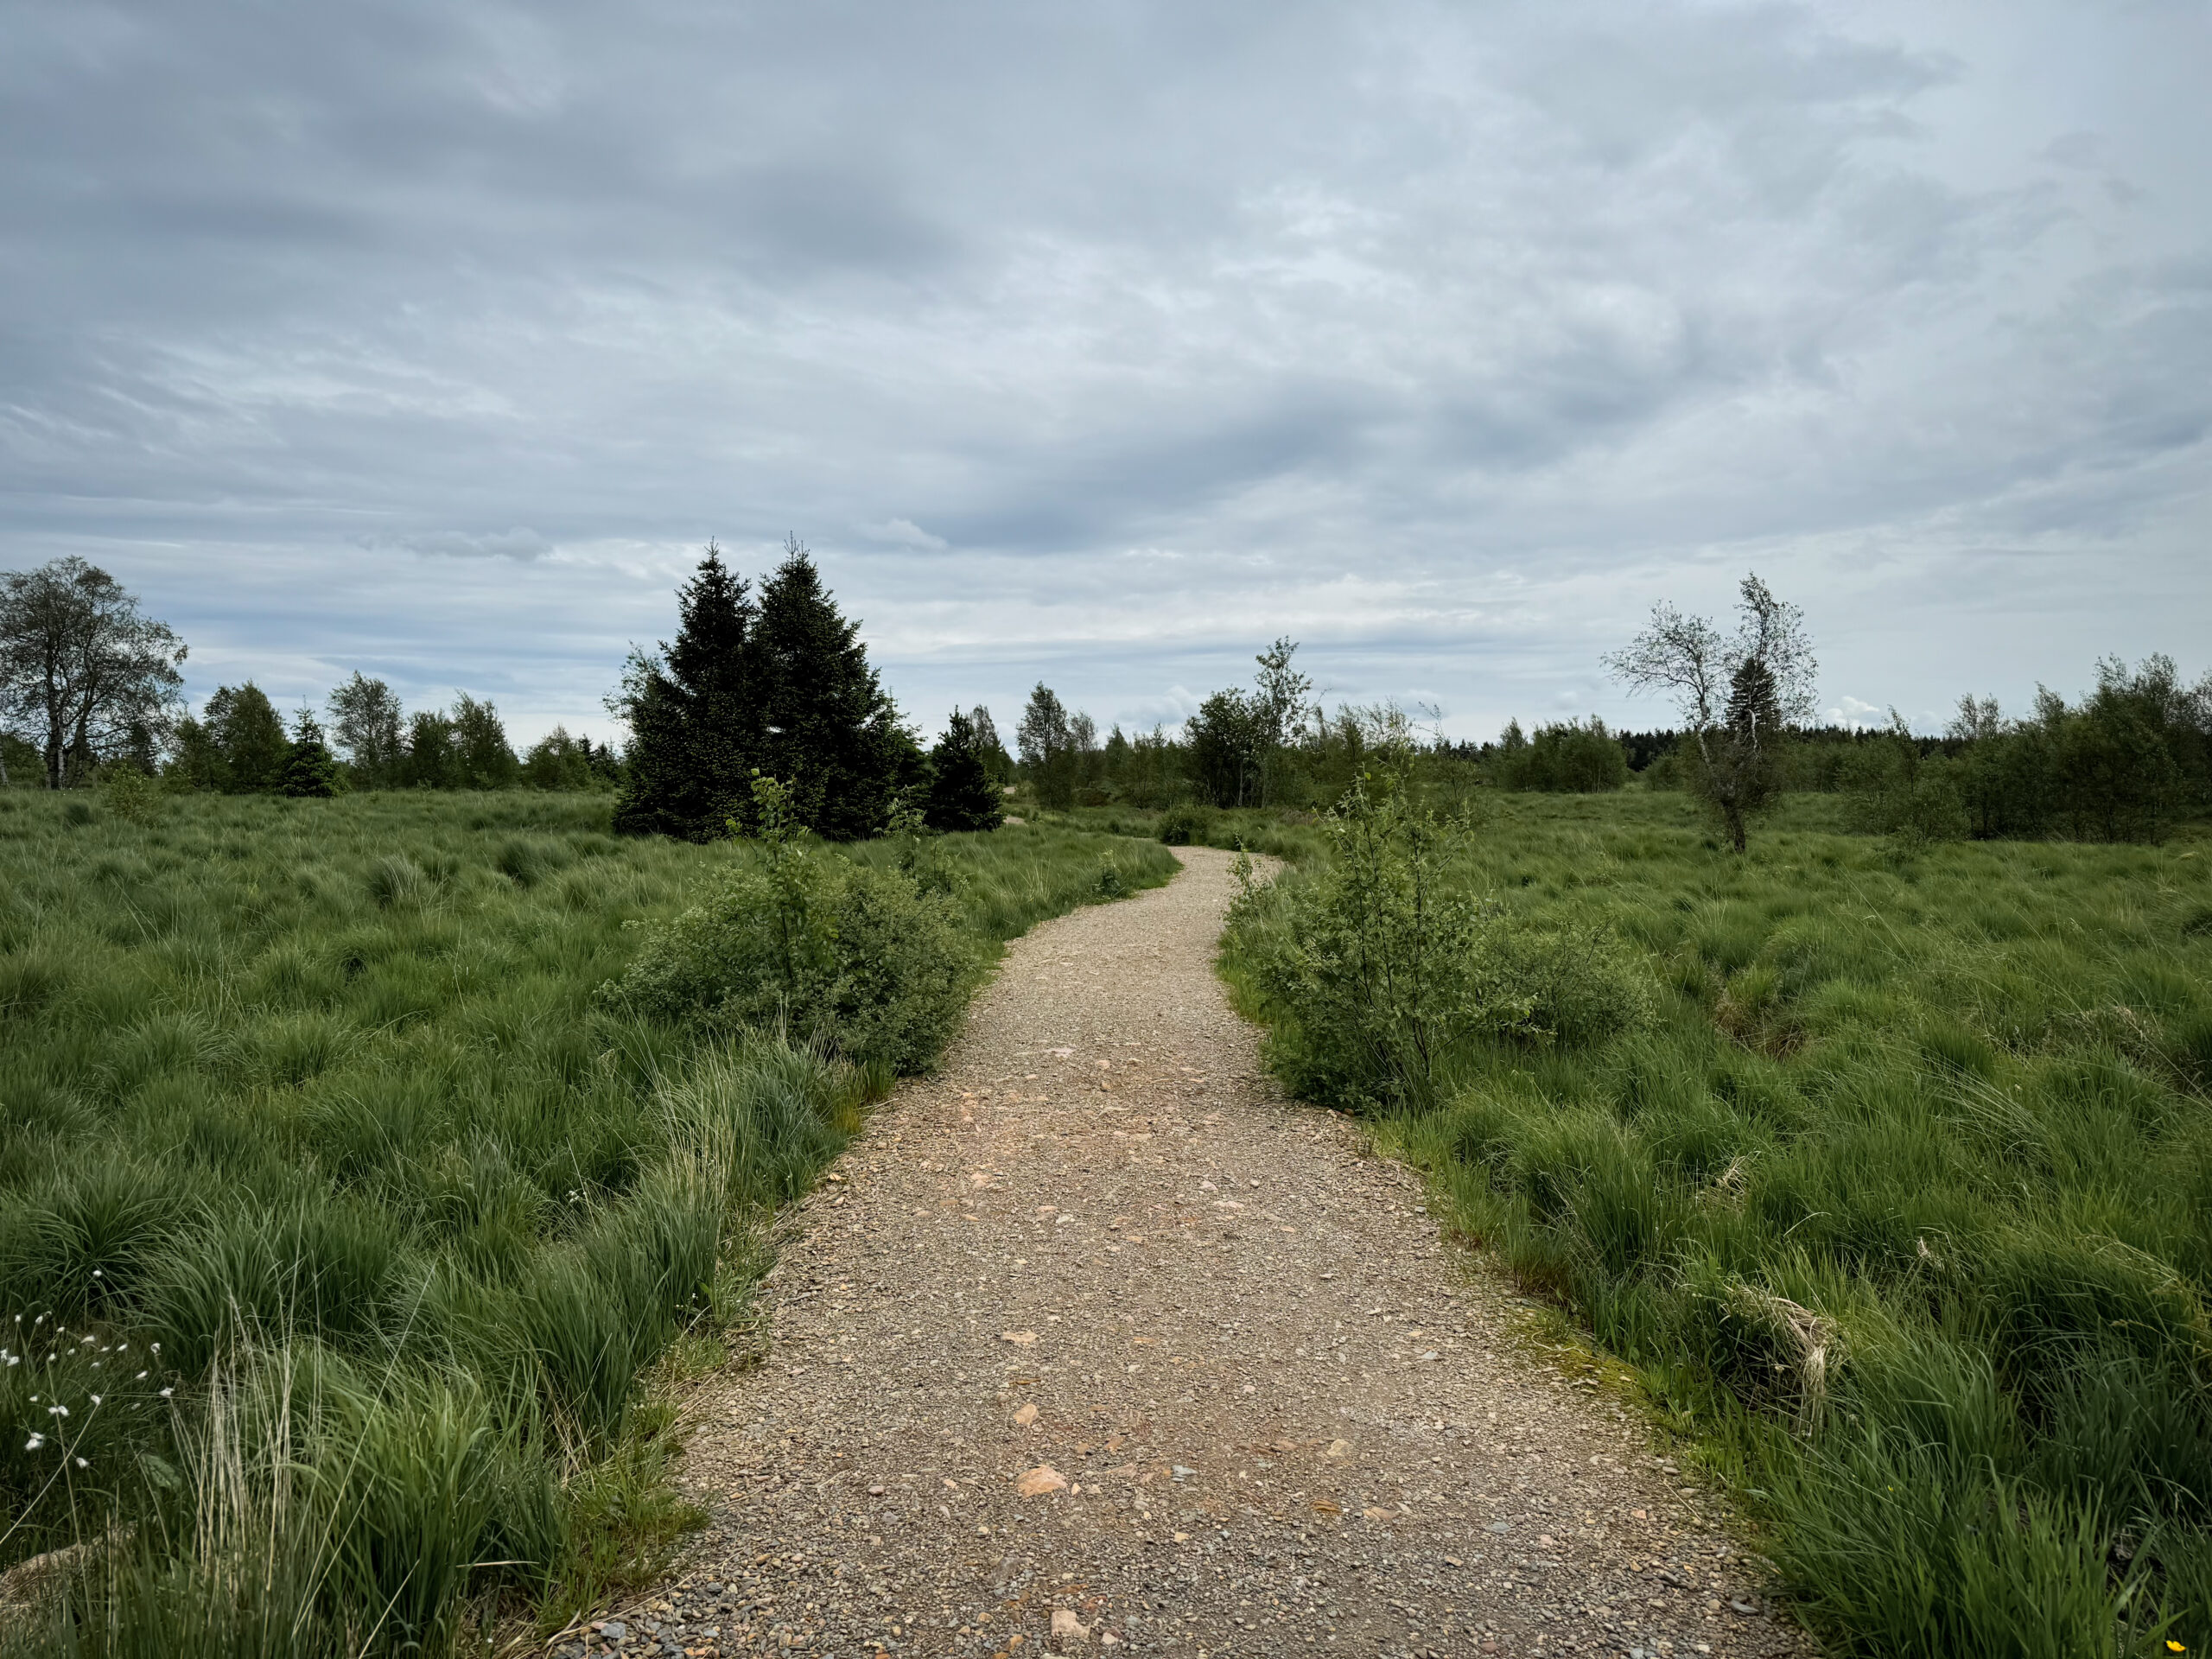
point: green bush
(1385, 963)
(859, 960)
(1891, 788)
(1567, 757)
(1185, 824)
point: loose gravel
(1094, 1343)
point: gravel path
(1094, 1343)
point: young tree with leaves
(430, 761)
(84, 672)
(558, 761)
(241, 746)
(481, 751)
(1281, 698)
(1737, 694)
(996, 760)
(1047, 744)
(365, 720)
(1228, 748)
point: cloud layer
(1106, 344)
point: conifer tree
(694, 713)
(780, 685)
(961, 793)
(829, 730)
(309, 769)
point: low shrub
(1383, 963)
(861, 961)
(1185, 824)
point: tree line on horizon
(772, 680)
(89, 683)
(2123, 762)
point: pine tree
(694, 713)
(961, 793)
(781, 686)
(830, 733)
(309, 768)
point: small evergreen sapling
(311, 771)
(961, 793)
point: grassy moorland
(1897, 1189)
(344, 1216)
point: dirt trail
(1093, 1343)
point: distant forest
(771, 679)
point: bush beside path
(1093, 1341)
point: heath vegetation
(369, 1166)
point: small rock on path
(1100, 1345)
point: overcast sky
(1103, 343)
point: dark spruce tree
(829, 730)
(310, 770)
(780, 685)
(961, 793)
(695, 713)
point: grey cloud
(518, 543)
(1105, 342)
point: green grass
(349, 1225)
(1903, 1200)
